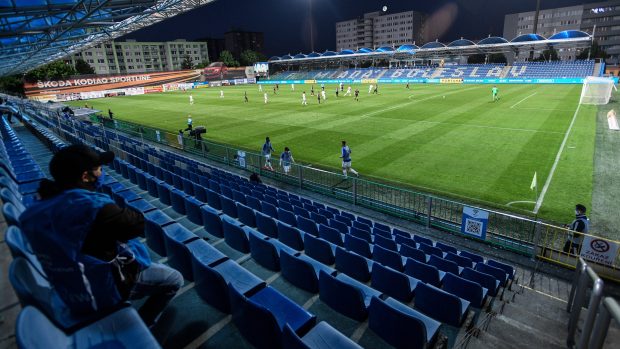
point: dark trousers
(571, 248)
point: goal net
(596, 90)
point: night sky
(285, 23)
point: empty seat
(176, 237)
(413, 253)
(384, 242)
(485, 280)
(401, 326)
(212, 221)
(498, 273)
(424, 272)
(400, 232)
(290, 236)
(266, 225)
(393, 283)
(341, 227)
(307, 225)
(387, 258)
(468, 290)
(357, 245)
(213, 199)
(376, 231)
(403, 240)
(382, 227)
(353, 264)
(234, 235)
(11, 214)
(319, 249)
(430, 250)
(177, 197)
(302, 271)
(346, 295)
(34, 330)
(460, 260)
(321, 336)
(192, 209)
(269, 209)
(318, 218)
(361, 226)
(444, 265)
(474, 257)
(154, 222)
(300, 211)
(422, 240)
(246, 215)
(263, 251)
(287, 217)
(440, 305)
(362, 234)
(505, 267)
(446, 248)
(253, 203)
(330, 234)
(229, 207)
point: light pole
(311, 27)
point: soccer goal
(596, 90)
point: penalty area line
(519, 102)
(555, 163)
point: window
(101, 61)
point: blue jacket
(56, 229)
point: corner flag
(534, 184)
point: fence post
(428, 213)
(354, 191)
(580, 296)
(301, 176)
(536, 242)
(228, 157)
(595, 301)
(602, 324)
(581, 268)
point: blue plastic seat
(238, 196)
(11, 214)
(446, 248)
(497, 273)
(319, 249)
(400, 232)
(343, 219)
(269, 209)
(200, 192)
(321, 336)
(362, 234)
(271, 199)
(163, 192)
(188, 186)
(302, 271)
(361, 226)
(357, 245)
(424, 272)
(213, 199)
(212, 221)
(285, 205)
(154, 223)
(213, 280)
(229, 207)
(346, 295)
(414, 253)
(261, 316)
(141, 205)
(474, 257)
(330, 234)
(462, 261)
(176, 237)
(253, 203)
(387, 258)
(422, 240)
(440, 305)
(263, 251)
(386, 243)
(505, 267)
(318, 218)
(485, 280)
(34, 330)
(341, 227)
(234, 235)
(401, 326)
(300, 211)
(444, 265)
(308, 226)
(192, 210)
(377, 231)
(463, 288)
(266, 225)
(290, 236)
(325, 213)
(403, 240)
(122, 197)
(353, 264)
(152, 185)
(393, 283)
(287, 217)
(246, 215)
(363, 220)
(382, 227)
(430, 250)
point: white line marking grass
(519, 102)
(555, 163)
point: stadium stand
(414, 291)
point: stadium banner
(215, 83)
(474, 222)
(451, 81)
(369, 81)
(153, 89)
(599, 250)
(309, 81)
(38, 89)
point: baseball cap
(580, 207)
(68, 164)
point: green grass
(451, 140)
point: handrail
(609, 309)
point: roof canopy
(36, 32)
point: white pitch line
(555, 163)
(520, 202)
(514, 105)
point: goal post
(596, 90)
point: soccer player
(267, 149)
(266, 98)
(323, 88)
(260, 88)
(495, 92)
(245, 96)
(357, 94)
(274, 90)
(337, 90)
(346, 160)
(221, 93)
(376, 90)
(293, 87)
(323, 95)
(286, 159)
(191, 100)
(312, 90)
(348, 91)
(370, 88)
(318, 96)
(407, 87)
(303, 99)
(341, 87)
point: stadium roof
(436, 49)
(36, 32)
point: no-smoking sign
(598, 245)
(599, 250)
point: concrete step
(557, 329)
(521, 335)
(486, 341)
(543, 305)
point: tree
(249, 57)
(83, 68)
(187, 63)
(57, 70)
(202, 64)
(12, 84)
(595, 51)
(227, 58)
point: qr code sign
(473, 227)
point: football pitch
(450, 140)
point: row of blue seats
(45, 319)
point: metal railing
(609, 309)
(509, 231)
